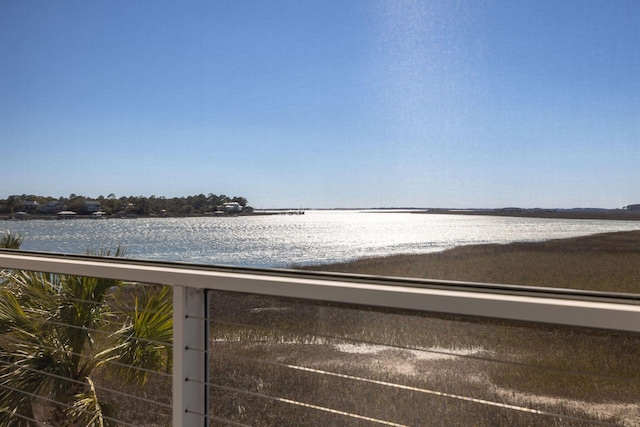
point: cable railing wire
(108, 390)
(109, 327)
(113, 303)
(98, 331)
(259, 334)
(204, 318)
(514, 363)
(303, 404)
(394, 424)
(15, 414)
(402, 387)
(66, 405)
(215, 418)
(83, 383)
(227, 422)
(106, 362)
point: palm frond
(89, 410)
(10, 241)
(84, 306)
(24, 378)
(32, 289)
(12, 316)
(44, 342)
(16, 409)
(145, 341)
(48, 324)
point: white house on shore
(92, 206)
(231, 207)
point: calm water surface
(293, 240)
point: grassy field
(602, 262)
(413, 369)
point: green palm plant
(52, 350)
(10, 241)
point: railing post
(190, 364)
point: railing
(265, 347)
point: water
(282, 241)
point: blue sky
(324, 103)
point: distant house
(30, 205)
(92, 206)
(54, 207)
(230, 207)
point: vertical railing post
(190, 367)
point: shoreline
(54, 217)
(604, 214)
(580, 214)
(607, 262)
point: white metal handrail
(461, 298)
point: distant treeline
(135, 205)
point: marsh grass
(136, 411)
(371, 400)
(257, 340)
(608, 262)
